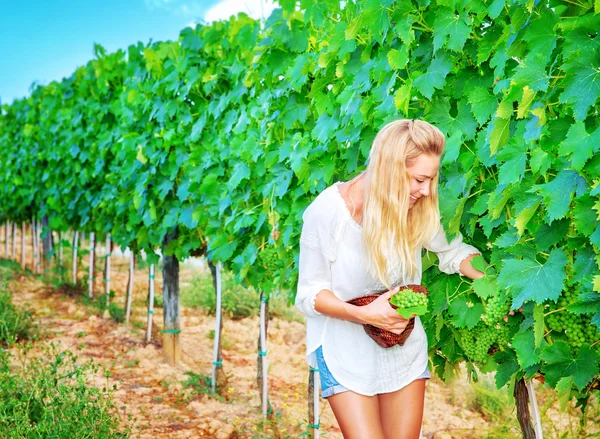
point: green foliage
(51, 396)
(229, 132)
(237, 302)
(16, 324)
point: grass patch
(237, 302)
(16, 323)
(48, 396)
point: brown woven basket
(383, 338)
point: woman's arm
(378, 313)
(466, 268)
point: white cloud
(226, 8)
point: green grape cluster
(576, 328)
(268, 257)
(477, 342)
(409, 299)
(496, 309)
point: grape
(409, 299)
(577, 329)
(477, 342)
(496, 309)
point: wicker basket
(383, 338)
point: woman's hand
(380, 313)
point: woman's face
(421, 171)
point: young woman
(365, 236)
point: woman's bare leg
(402, 411)
(357, 415)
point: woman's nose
(425, 191)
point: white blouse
(332, 258)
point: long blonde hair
(392, 231)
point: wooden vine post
(60, 256)
(47, 245)
(171, 318)
(14, 241)
(92, 265)
(23, 245)
(130, 286)
(107, 273)
(75, 243)
(522, 402)
(314, 386)
(261, 377)
(218, 378)
(6, 236)
(150, 303)
(34, 245)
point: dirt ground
(153, 392)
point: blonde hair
(392, 231)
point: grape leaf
(500, 134)
(524, 345)
(580, 145)
(448, 24)
(557, 194)
(549, 235)
(507, 367)
(483, 103)
(435, 78)
(465, 313)
(540, 161)
(528, 280)
(485, 287)
(560, 362)
(582, 86)
(538, 326)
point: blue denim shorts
(330, 386)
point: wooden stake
(60, 256)
(23, 245)
(14, 241)
(130, 286)
(217, 360)
(171, 316)
(535, 411)
(314, 386)
(75, 243)
(262, 356)
(523, 416)
(150, 304)
(92, 262)
(34, 246)
(6, 236)
(107, 278)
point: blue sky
(46, 40)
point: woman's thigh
(402, 411)
(357, 415)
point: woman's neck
(354, 195)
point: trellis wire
(91, 276)
(535, 411)
(150, 304)
(75, 243)
(130, 289)
(263, 353)
(217, 362)
(107, 280)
